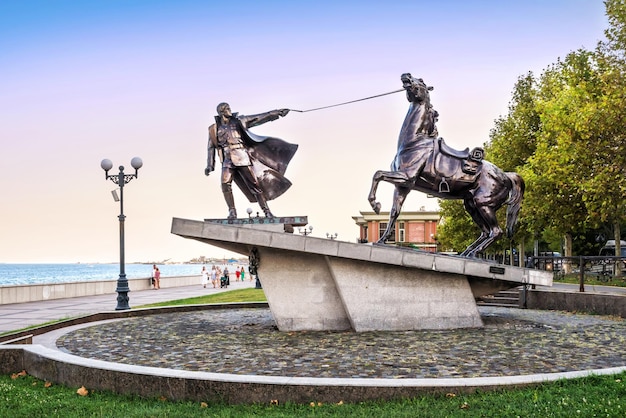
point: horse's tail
(515, 202)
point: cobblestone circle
(246, 341)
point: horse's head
(416, 90)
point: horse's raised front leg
(397, 178)
(399, 196)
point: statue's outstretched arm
(253, 120)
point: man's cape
(269, 157)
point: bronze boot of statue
(230, 201)
(263, 203)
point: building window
(401, 237)
(382, 226)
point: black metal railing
(601, 268)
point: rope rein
(345, 103)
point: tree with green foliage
(554, 172)
(606, 198)
(513, 140)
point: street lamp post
(331, 236)
(306, 231)
(121, 179)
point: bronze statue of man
(256, 163)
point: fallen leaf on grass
(82, 391)
(47, 384)
(465, 405)
(204, 405)
(16, 375)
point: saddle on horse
(452, 167)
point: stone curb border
(73, 371)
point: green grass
(240, 295)
(591, 280)
(601, 396)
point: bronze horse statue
(424, 162)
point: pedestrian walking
(154, 267)
(214, 276)
(205, 276)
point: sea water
(20, 274)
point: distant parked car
(609, 248)
(606, 267)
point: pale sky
(86, 80)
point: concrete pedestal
(320, 284)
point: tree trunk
(617, 233)
(567, 249)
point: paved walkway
(21, 315)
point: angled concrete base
(320, 284)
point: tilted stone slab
(321, 284)
(380, 296)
